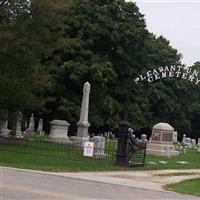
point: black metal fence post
(122, 143)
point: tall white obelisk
(83, 123)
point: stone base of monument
(18, 135)
(167, 150)
(5, 133)
(79, 141)
(39, 133)
(82, 129)
(59, 140)
(28, 132)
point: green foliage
(102, 44)
(25, 35)
(13, 9)
(50, 48)
(16, 59)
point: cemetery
(93, 91)
(161, 151)
(31, 148)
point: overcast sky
(178, 21)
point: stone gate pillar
(122, 143)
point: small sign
(88, 149)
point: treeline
(49, 48)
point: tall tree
(27, 32)
(102, 44)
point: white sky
(177, 21)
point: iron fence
(71, 150)
(136, 152)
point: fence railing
(73, 150)
(66, 150)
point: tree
(50, 48)
(102, 44)
(27, 32)
(172, 100)
(193, 105)
(14, 56)
(13, 9)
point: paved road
(27, 185)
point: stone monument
(194, 143)
(188, 142)
(18, 130)
(198, 145)
(162, 141)
(198, 142)
(99, 145)
(183, 140)
(31, 125)
(143, 138)
(83, 124)
(175, 137)
(59, 131)
(40, 127)
(4, 131)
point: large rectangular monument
(161, 143)
(59, 131)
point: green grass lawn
(191, 156)
(49, 163)
(177, 174)
(191, 186)
(39, 155)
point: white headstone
(83, 123)
(175, 137)
(4, 131)
(31, 125)
(198, 142)
(188, 142)
(183, 140)
(194, 142)
(19, 125)
(40, 127)
(143, 138)
(168, 151)
(99, 145)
